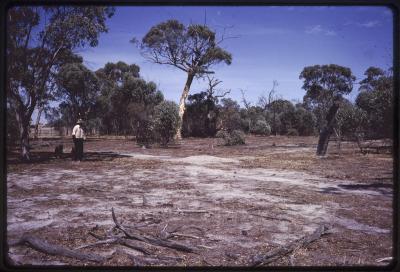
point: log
(151, 240)
(45, 247)
(286, 249)
(131, 245)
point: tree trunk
(23, 125)
(338, 134)
(327, 130)
(36, 134)
(182, 107)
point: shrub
(292, 132)
(261, 127)
(166, 121)
(236, 137)
(144, 133)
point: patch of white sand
(204, 160)
(355, 225)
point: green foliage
(78, 89)
(325, 84)
(350, 120)
(229, 118)
(39, 41)
(235, 137)
(304, 121)
(376, 98)
(127, 102)
(261, 127)
(192, 49)
(200, 118)
(281, 115)
(166, 121)
(145, 133)
(292, 132)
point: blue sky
(271, 43)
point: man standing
(78, 135)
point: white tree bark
(182, 106)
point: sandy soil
(255, 198)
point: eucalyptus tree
(376, 99)
(325, 86)
(127, 100)
(37, 38)
(78, 88)
(193, 49)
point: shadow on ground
(43, 157)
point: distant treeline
(42, 68)
(115, 100)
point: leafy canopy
(192, 49)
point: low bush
(261, 127)
(145, 134)
(292, 132)
(166, 121)
(236, 137)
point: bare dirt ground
(252, 198)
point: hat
(80, 121)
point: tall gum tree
(325, 86)
(37, 38)
(193, 49)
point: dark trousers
(78, 149)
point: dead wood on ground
(262, 259)
(150, 239)
(45, 247)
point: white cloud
(318, 29)
(314, 29)
(330, 33)
(366, 24)
(369, 24)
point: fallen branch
(115, 240)
(191, 211)
(131, 245)
(151, 240)
(284, 250)
(176, 234)
(188, 227)
(270, 217)
(101, 242)
(43, 246)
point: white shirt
(78, 132)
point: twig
(192, 211)
(286, 249)
(151, 240)
(107, 241)
(184, 235)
